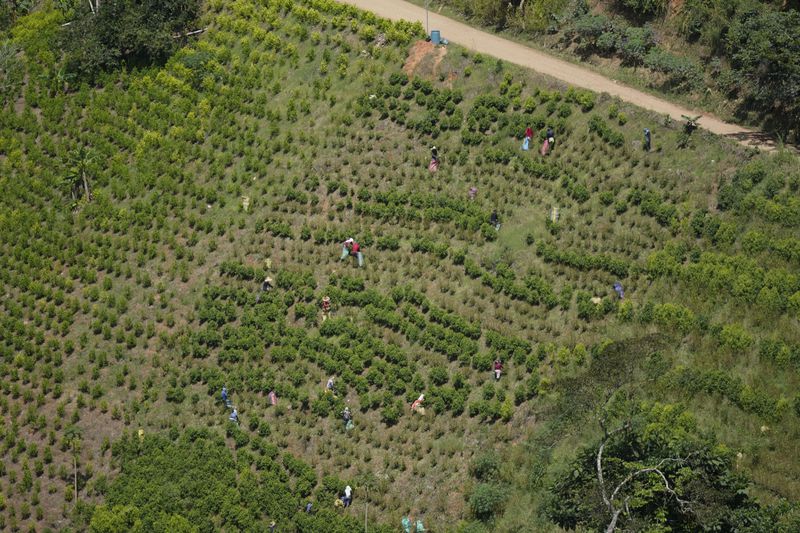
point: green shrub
(647, 8)
(124, 32)
(597, 125)
(485, 467)
(390, 414)
(487, 500)
(735, 338)
(438, 375)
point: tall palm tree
(78, 173)
(72, 436)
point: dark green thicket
(129, 32)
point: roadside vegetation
(739, 60)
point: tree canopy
(133, 32)
(660, 471)
(764, 46)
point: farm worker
(347, 416)
(551, 137)
(346, 247)
(225, 395)
(646, 140)
(330, 386)
(418, 402)
(266, 286)
(234, 416)
(620, 291)
(351, 247)
(308, 508)
(433, 166)
(528, 132)
(545, 147)
(272, 527)
(493, 220)
(498, 369)
(526, 144)
(419, 527)
(326, 307)
(472, 192)
(406, 521)
(273, 398)
(348, 496)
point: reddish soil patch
(420, 51)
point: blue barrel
(436, 37)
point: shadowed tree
(78, 176)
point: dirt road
(486, 43)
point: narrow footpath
(489, 44)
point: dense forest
(187, 344)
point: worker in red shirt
(498, 369)
(351, 247)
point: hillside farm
(644, 304)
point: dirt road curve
(486, 43)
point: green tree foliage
(486, 500)
(11, 9)
(526, 15)
(11, 70)
(764, 46)
(125, 32)
(485, 467)
(667, 474)
(644, 8)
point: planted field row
(775, 289)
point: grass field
(132, 310)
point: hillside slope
(576, 75)
(288, 127)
